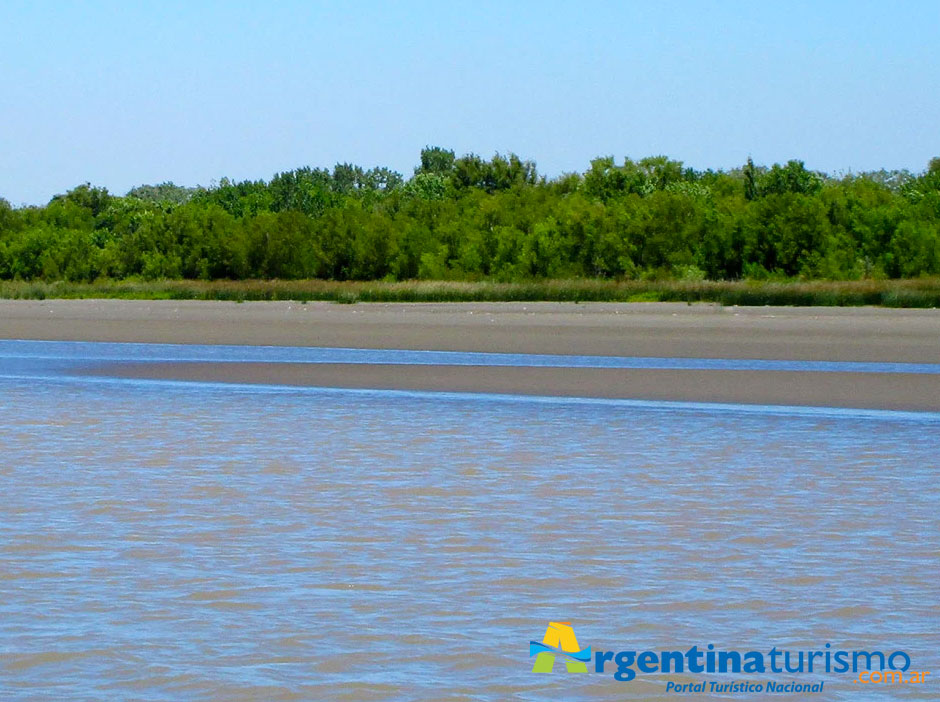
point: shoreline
(906, 293)
(671, 330)
(593, 329)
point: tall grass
(921, 292)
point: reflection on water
(169, 541)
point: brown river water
(198, 541)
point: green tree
(165, 194)
(792, 178)
(436, 160)
(750, 180)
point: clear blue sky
(124, 93)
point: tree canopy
(473, 218)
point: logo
(559, 639)
(870, 666)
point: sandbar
(618, 329)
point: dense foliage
(470, 218)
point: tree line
(471, 218)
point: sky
(124, 93)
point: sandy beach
(644, 329)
